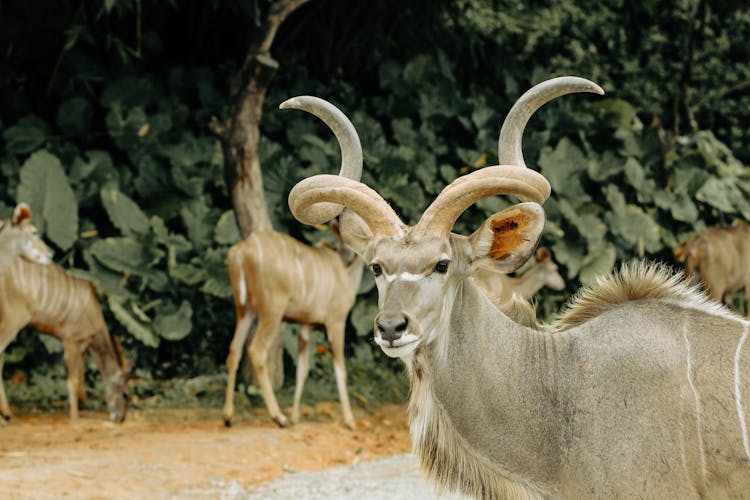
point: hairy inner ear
(21, 214)
(507, 239)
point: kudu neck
(528, 283)
(495, 382)
(106, 356)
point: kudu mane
(445, 456)
(635, 280)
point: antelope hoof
(351, 425)
(227, 421)
(282, 421)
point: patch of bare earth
(168, 453)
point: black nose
(391, 326)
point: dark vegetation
(105, 112)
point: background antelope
(719, 258)
(501, 287)
(639, 390)
(278, 278)
(43, 295)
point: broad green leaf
(124, 126)
(52, 344)
(363, 317)
(570, 254)
(214, 264)
(562, 167)
(174, 325)
(177, 242)
(217, 287)
(715, 192)
(124, 213)
(635, 227)
(621, 112)
(367, 283)
(606, 166)
(28, 135)
(200, 225)
(45, 187)
(185, 273)
(120, 254)
(135, 327)
(597, 263)
(226, 231)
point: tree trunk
(240, 134)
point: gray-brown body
(639, 400)
(639, 390)
(55, 302)
(279, 278)
(719, 257)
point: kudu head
(692, 253)
(419, 269)
(18, 237)
(118, 394)
(552, 277)
(116, 386)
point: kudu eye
(377, 270)
(442, 266)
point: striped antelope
(278, 278)
(500, 287)
(639, 390)
(718, 258)
(46, 297)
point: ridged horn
(346, 134)
(512, 176)
(509, 149)
(357, 197)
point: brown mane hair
(635, 280)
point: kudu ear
(680, 253)
(21, 214)
(128, 367)
(543, 254)
(354, 232)
(508, 238)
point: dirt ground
(182, 453)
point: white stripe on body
(738, 392)
(698, 412)
(43, 287)
(243, 283)
(300, 274)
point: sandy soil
(185, 453)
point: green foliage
(46, 189)
(114, 154)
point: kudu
(639, 390)
(279, 278)
(719, 258)
(35, 292)
(501, 287)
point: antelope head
(18, 237)
(420, 270)
(552, 278)
(118, 392)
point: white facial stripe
(403, 276)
